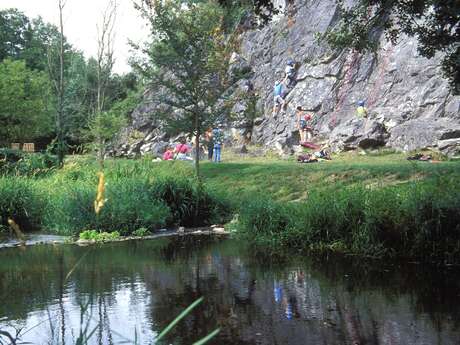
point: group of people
(304, 119)
(214, 139)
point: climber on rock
(278, 100)
(304, 124)
(289, 74)
(361, 111)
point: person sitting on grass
(168, 155)
(182, 149)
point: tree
(100, 124)
(14, 31)
(435, 24)
(103, 127)
(57, 74)
(187, 65)
(105, 59)
(25, 103)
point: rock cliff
(410, 105)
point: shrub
(20, 201)
(141, 232)
(18, 163)
(93, 235)
(182, 197)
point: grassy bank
(381, 205)
(138, 194)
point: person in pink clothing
(168, 155)
(182, 149)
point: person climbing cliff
(361, 111)
(289, 74)
(278, 100)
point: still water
(128, 292)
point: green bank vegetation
(379, 206)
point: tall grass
(418, 220)
(139, 194)
(20, 201)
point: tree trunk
(60, 111)
(101, 153)
(197, 168)
(197, 147)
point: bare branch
(105, 51)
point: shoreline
(51, 239)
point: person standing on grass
(209, 143)
(218, 140)
(304, 124)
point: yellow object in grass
(100, 201)
(17, 230)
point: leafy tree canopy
(187, 63)
(26, 111)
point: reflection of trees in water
(331, 302)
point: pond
(128, 292)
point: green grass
(378, 205)
(287, 180)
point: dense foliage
(26, 105)
(29, 57)
(19, 163)
(435, 24)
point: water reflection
(131, 291)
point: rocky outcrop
(410, 104)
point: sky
(80, 20)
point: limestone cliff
(409, 102)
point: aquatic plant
(141, 232)
(94, 235)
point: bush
(18, 163)
(93, 235)
(141, 232)
(182, 197)
(132, 203)
(20, 201)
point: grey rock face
(410, 105)
(409, 102)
